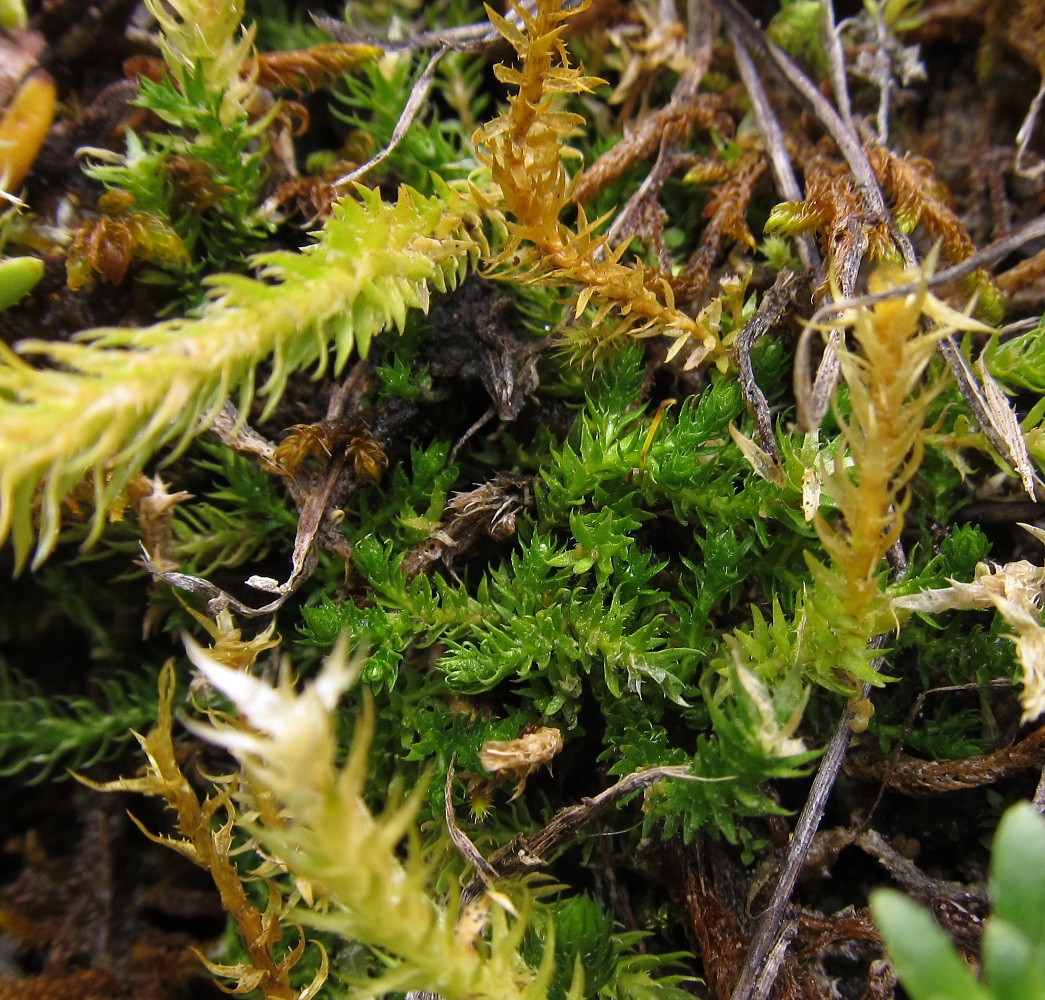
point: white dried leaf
(1015, 590)
(759, 459)
(1006, 424)
(776, 738)
(290, 734)
(523, 755)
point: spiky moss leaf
(200, 37)
(237, 529)
(834, 651)
(111, 402)
(584, 932)
(373, 102)
(732, 764)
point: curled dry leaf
(1015, 590)
(523, 756)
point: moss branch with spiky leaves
(100, 408)
(524, 149)
(882, 440)
(205, 837)
(110, 403)
(323, 831)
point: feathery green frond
(39, 734)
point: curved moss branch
(102, 408)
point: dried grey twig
(747, 39)
(829, 844)
(773, 137)
(525, 853)
(841, 131)
(814, 396)
(769, 312)
(1023, 137)
(766, 951)
(836, 61)
(418, 95)
(990, 254)
(484, 871)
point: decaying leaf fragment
(154, 504)
(120, 236)
(774, 730)
(1015, 589)
(521, 757)
(309, 69)
(1005, 422)
(920, 778)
